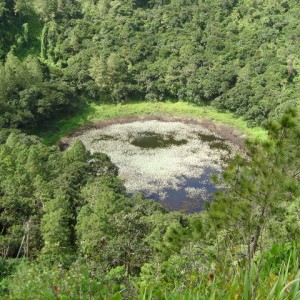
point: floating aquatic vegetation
(193, 193)
(155, 156)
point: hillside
(69, 229)
(237, 55)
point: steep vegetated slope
(237, 55)
(68, 230)
(67, 222)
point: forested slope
(68, 229)
(238, 55)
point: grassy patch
(99, 112)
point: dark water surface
(180, 199)
(152, 140)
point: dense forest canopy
(65, 217)
(237, 55)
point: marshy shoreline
(222, 130)
(166, 158)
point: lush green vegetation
(67, 222)
(68, 229)
(240, 56)
(100, 112)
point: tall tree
(261, 187)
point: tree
(56, 228)
(109, 74)
(112, 228)
(2, 7)
(261, 187)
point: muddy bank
(224, 131)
